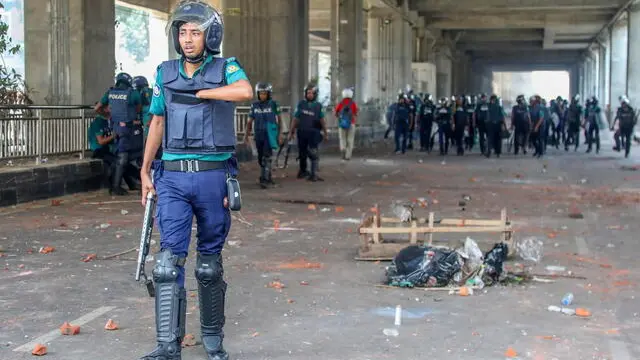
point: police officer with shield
(480, 117)
(193, 119)
(520, 124)
(310, 126)
(265, 114)
(426, 113)
(125, 104)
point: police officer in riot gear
(574, 120)
(310, 126)
(265, 113)
(480, 116)
(427, 113)
(413, 111)
(193, 119)
(626, 118)
(495, 124)
(592, 125)
(402, 123)
(470, 108)
(125, 104)
(537, 122)
(520, 124)
(444, 119)
(460, 123)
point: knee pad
(313, 153)
(209, 269)
(166, 268)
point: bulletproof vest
(520, 115)
(119, 103)
(310, 115)
(591, 115)
(193, 125)
(495, 114)
(444, 116)
(402, 113)
(534, 112)
(427, 111)
(137, 138)
(460, 116)
(626, 117)
(263, 113)
(470, 110)
(482, 112)
(574, 113)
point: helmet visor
(194, 12)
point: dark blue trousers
(182, 195)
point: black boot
(212, 289)
(118, 173)
(314, 168)
(171, 309)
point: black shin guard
(212, 289)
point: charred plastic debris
(437, 266)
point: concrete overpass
(378, 46)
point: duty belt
(193, 165)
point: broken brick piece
(47, 250)
(68, 329)
(311, 207)
(111, 325)
(89, 257)
(510, 353)
(39, 350)
(189, 340)
(339, 209)
(276, 285)
(56, 202)
(583, 312)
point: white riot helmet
(347, 93)
(624, 99)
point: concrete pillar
(271, 42)
(314, 71)
(444, 72)
(389, 54)
(69, 50)
(346, 45)
(604, 71)
(633, 75)
(619, 39)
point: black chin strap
(195, 60)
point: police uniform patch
(232, 68)
(156, 90)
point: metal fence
(40, 131)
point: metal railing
(40, 131)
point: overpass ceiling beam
(492, 5)
(502, 35)
(621, 12)
(508, 45)
(463, 21)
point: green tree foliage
(134, 25)
(13, 90)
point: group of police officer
(125, 106)
(535, 124)
(456, 120)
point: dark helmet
(443, 101)
(313, 88)
(520, 99)
(483, 97)
(123, 78)
(594, 101)
(428, 97)
(202, 14)
(140, 82)
(493, 97)
(559, 99)
(266, 87)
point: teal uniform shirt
(134, 100)
(233, 73)
(99, 127)
(145, 95)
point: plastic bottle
(567, 299)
